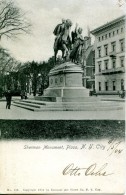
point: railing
(113, 70)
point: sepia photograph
(62, 96)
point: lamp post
(30, 83)
(39, 84)
(7, 81)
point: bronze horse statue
(63, 41)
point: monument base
(67, 92)
(65, 82)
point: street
(20, 113)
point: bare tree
(12, 20)
(7, 63)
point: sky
(44, 15)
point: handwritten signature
(92, 170)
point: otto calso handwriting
(91, 170)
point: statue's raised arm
(77, 45)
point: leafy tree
(37, 73)
(7, 63)
(8, 70)
(44, 69)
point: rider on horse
(62, 39)
(58, 31)
(66, 36)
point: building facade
(88, 64)
(110, 56)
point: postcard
(62, 97)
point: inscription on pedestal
(56, 81)
(61, 79)
(66, 81)
(51, 81)
(73, 80)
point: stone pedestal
(65, 82)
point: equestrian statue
(71, 46)
(62, 40)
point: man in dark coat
(58, 31)
(8, 99)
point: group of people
(23, 95)
(73, 44)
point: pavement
(106, 97)
(20, 113)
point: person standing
(22, 93)
(78, 43)
(26, 95)
(8, 99)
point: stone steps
(34, 105)
(65, 104)
(27, 104)
(70, 103)
(66, 99)
(26, 107)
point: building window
(114, 85)
(117, 31)
(122, 84)
(113, 46)
(122, 61)
(99, 38)
(113, 33)
(99, 84)
(113, 63)
(102, 37)
(99, 52)
(106, 36)
(122, 45)
(109, 34)
(106, 86)
(121, 30)
(106, 50)
(99, 66)
(106, 64)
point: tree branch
(12, 20)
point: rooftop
(108, 24)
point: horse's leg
(63, 55)
(55, 54)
